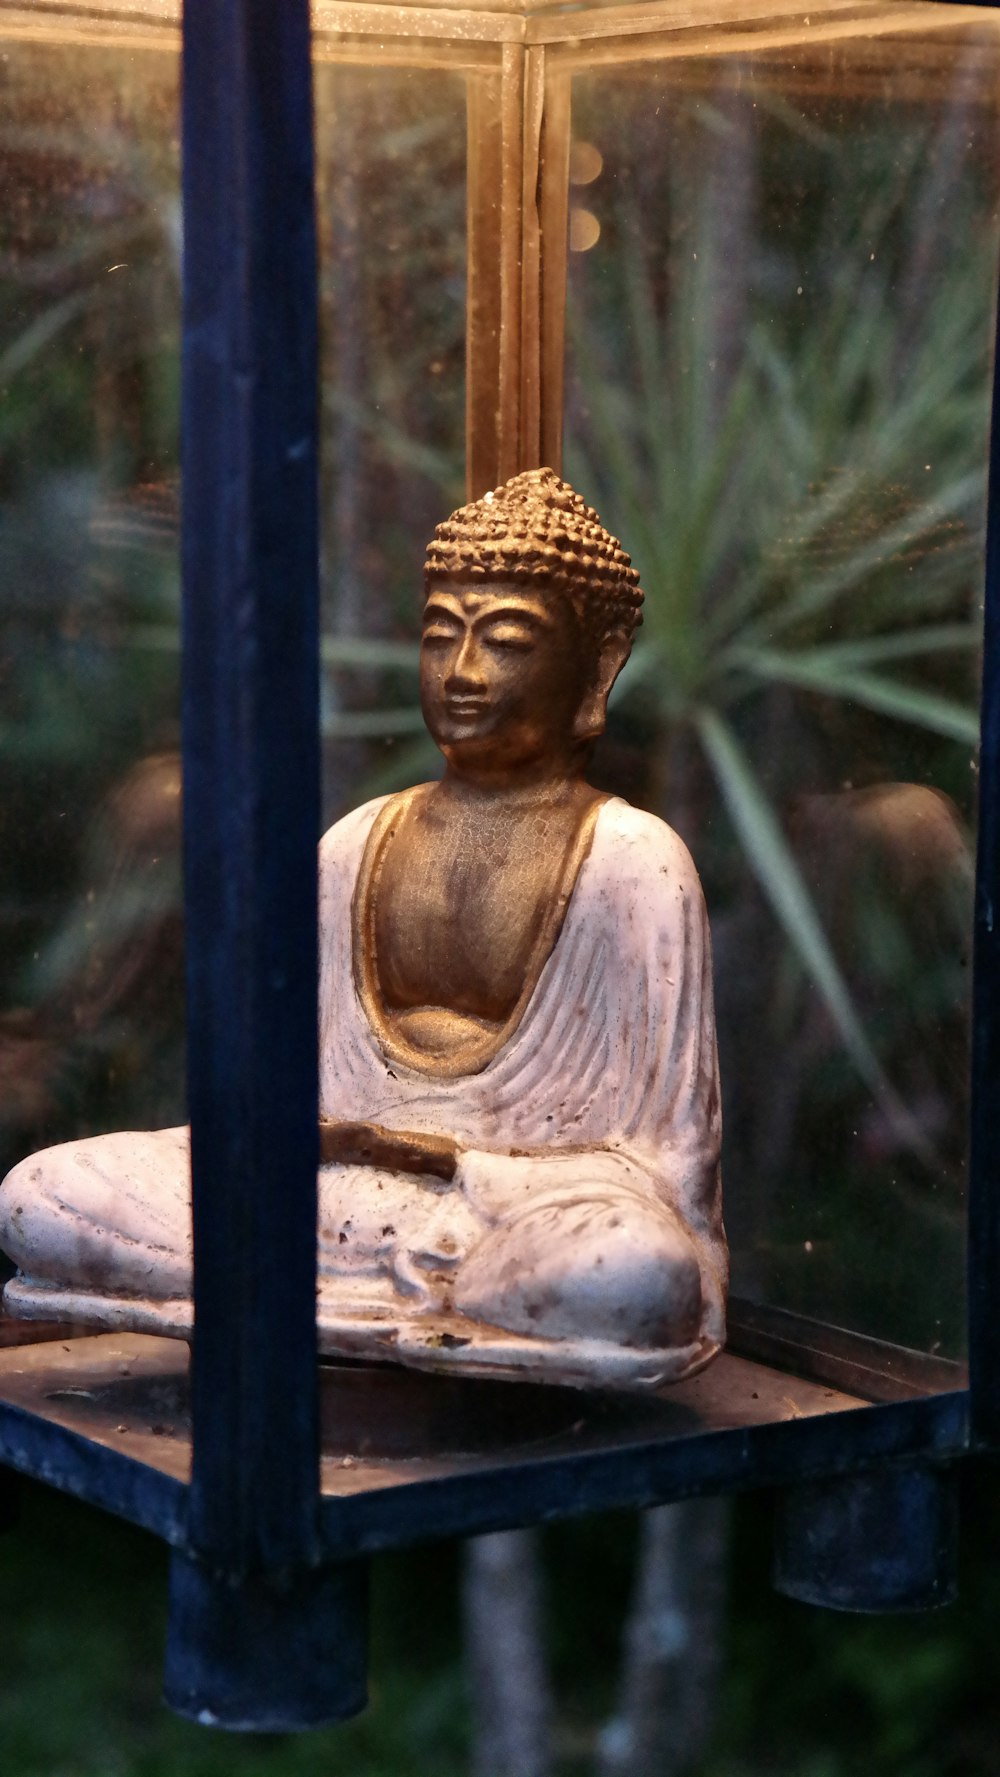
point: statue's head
(531, 606)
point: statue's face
(501, 674)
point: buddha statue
(520, 1119)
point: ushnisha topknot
(536, 531)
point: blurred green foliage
(805, 1693)
(81, 1634)
(778, 395)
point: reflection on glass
(91, 976)
(777, 388)
(391, 153)
(782, 262)
(90, 959)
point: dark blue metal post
(260, 1635)
(984, 1159)
(884, 1541)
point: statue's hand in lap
(401, 1150)
(520, 1122)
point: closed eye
(511, 635)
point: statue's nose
(467, 671)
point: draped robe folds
(587, 1185)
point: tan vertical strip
(512, 117)
(493, 301)
(530, 443)
(482, 320)
(554, 228)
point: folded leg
(592, 1265)
(110, 1213)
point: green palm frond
(818, 529)
(774, 865)
(907, 703)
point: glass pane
(391, 145)
(89, 315)
(91, 1029)
(781, 295)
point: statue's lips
(460, 708)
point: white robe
(588, 1176)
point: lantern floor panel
(409, 1457)
(737, 1426)
(57, 1426)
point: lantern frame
(271, 1531)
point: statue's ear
(592, 713)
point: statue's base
(378, 1331)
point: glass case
(734, 272)
(780, 344)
